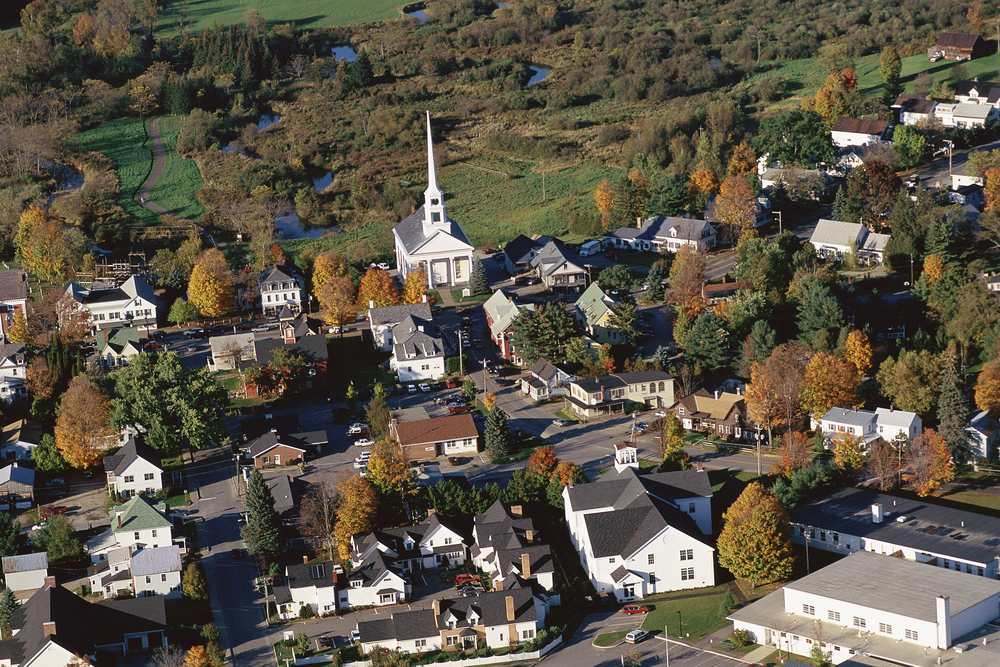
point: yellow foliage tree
(992, 189)
(829, 381)
(736, 205)
(858, 351)
(337, 304)
(703, 183)
(744, 160)
(326, 267)
(211, 287)
(490, 400)
(83, 428)
(377, 289)
(604, 198)
(415, 286)
(848, 452)
(934, 268)
(197, 656)
(357, 511)
(928, 463)
(19, 332)
(988, 389)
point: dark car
(323, 643)
(499, 257)
(437, 386)
(454, 460)
(236, 554)
(196, 332)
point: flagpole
(666, 645)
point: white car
(355, 636)
(357, 429)
(636, 636)
(411, 389)
(362, 460)
(560, 422)
(661, 413)
(424, 387)
(383, 266)
(260, 327)
(364, 442)
(361, 463)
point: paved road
(940, 172)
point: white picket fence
(476, 662)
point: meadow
(126, 143)
(200, 14)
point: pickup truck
(455, 409)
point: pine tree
(8, 605)
(953, 412)
(844, 208)
(655, 281)
(818, 311)
(497, 434)
(708, 342)
(260, 533)
(479, 282)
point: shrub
(728, 604)
(741, 638)
(305, 611)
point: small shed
(17, 487)
(26, 572)
(958, 46)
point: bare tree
(233, 354)
(318, 515)
(168, 656)
(883, 464)
(758, 34)
(297, 66)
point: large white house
(375, 581)
(507, 547)
(281, 285)
(138, 524)
(859, 520)
(308, 584)
(142, 572)
(885, 423)
(882, 607)
(428, 239)
(859, 132)
(641, 534)
(133, 469)
(131, 305)
(430, 544)
(655, 234)
(833, 239)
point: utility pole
(461, 369)
(666, 646)
(759, 469)
(911, 270)
(779, 221)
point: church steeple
(435, 217)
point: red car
(455, 409)
(635, 609)
(464, 579)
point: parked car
(364, 442)
(411, 389)
(323, 643)
(636, 636)
(499, 257)
(384, 266)
(455, 409)
(260, 327)
(358, 429)
(630, 609)
(196, 332)
(504, 382)
(469, 592)
(560, 422)
(451, 383)
(424, 387)
(462, 579)
(661, 413)
(454, 460)
(236, 554)
(355, 636)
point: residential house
(968, 195)
(891, 424)
(385, 319)
(141, 572)
(133, 304)
(501, 311)
(17, 487)
(559, 268)
(428, 239)
(975, 91)
(546, 380)
(723, 292)
(654, 234)
(138, 523)
(833, 239)
(134, 469)
(983, 432)
(13, 373)
(914, 109)
(721, 413)
(519, 253)
(431, 544)
(594, 311)
(640, 534)
(498, 619)
(857, 605)
(966, 115)
(799, 183)
(26, 572)
(441, 436)
(275, 449)
(311, 350)
(591, 397)
(859, 132)
(375, 581)
(851, 520)
(885, 423)
(286, 491)
(56, 627)
(231, 352)
(958, 46)
(13, 297)
(281, 286)
(116, 347)
(312, 584)
(18, 439)
(418, 351)
(506, 543)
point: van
(590, 248)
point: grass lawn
(638, 258)
(178, 500)
(284, 653)
(609, 638)
(568, 416)
(516, 455)
(180, 179)
(303, 13)
(717, 478)
(699, 616)
(986, 500)
(456, 295)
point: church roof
(410, 232)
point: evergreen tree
(953, 412)
(359, 74)
(175, 97)
(668, 196)
(479, 283)
(8, 605)
(497, 433)
(546, 332)
(655, 281)
(890, 66)
(261, 532)
(844, 208)
(818, 312)
(8, 535)
(708, 342)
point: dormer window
(408, 546)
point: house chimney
(638, 221)
(510, 608)
(305, 560)
(529, 536)
(498, 585)
(48, 582)
(371, 303)
(525, 567)
(413, 209)
(943, 621)
(424, 298)
(699, 466)
(437, 611)
(431, 511)
(516, 510)
(48, 628)
(291, 479)
(119, 520)
(716, 394)
(877, 513)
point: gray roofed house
(546, 380)
(834, 240)
(383, 320)
(281, 287)
(18, 438)
(654, 234)
(983, 432)
(161, 560)
(135, 468)
(501, 311)
(17, 487)
(519, 252)
(559, 268)
(133, 304)
(231, 351)
(312, 350)
(412, 548)
(26, 572)
(591, 397)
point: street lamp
(680, 632)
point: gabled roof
(13, 351)
(133, 450)
(437, 429)
(594, 304)
(270, 440)
(835, 232)
(118, 340)
(553, 256)
(305, 575)
(18, 474)
(277, 273)
(283, 490)
(982, 423)
(410, 232)
(987, 89)
(539, 559)
(161, 560)
(704, 405)
(413, 344)
(394, 314)
(521, 249)
(26, 563)
(916, 104)
(898, 418)
(137, 514)
(957, 40)
(544, 370)
(13, 285)
(860, 126)
(372, 569)
(848, 416)
(624, 531)
(502, 311)
(22, 431)
(137, 287)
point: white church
(430, 240)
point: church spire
(434, 213)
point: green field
(125, 142)
(303, 13)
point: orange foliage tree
(858, 351)
(83, 429)
(992, 189)
(736, 206)
(792, 455)
(828, 382)
(687, 276)
(326, 267)
(543, 461)
(744, 160)
(604, 198)
(377, 287)
(928, 463)
(934, 268)
(988, 388)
